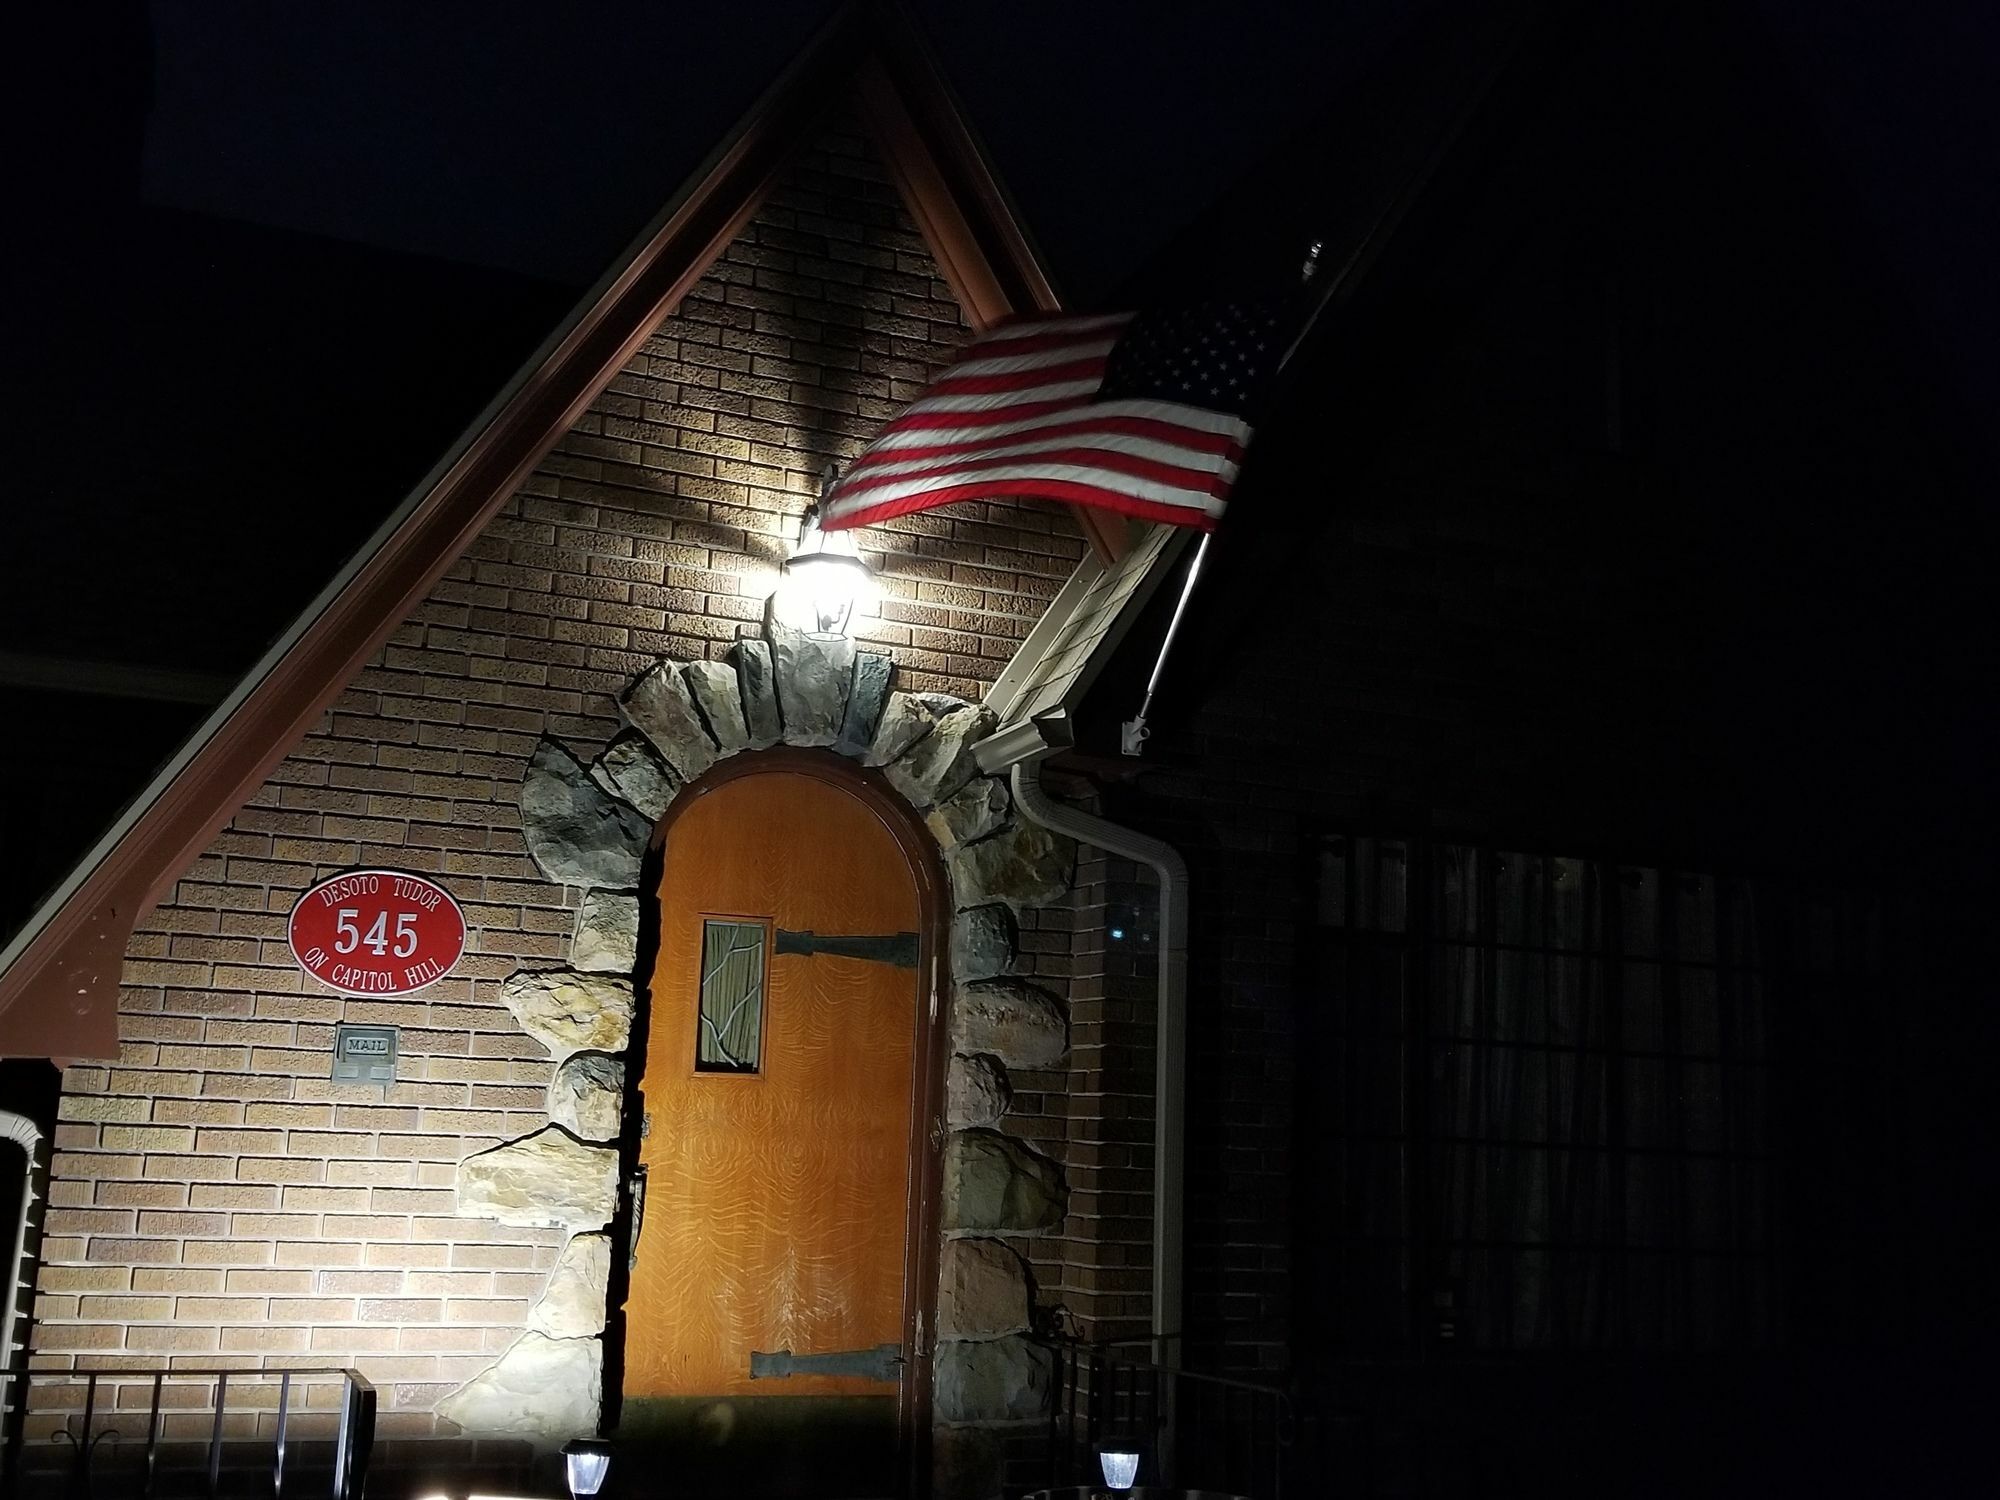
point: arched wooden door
(768, 1316)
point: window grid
(1552, 1090)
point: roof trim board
(1037, 697)
(59, 978)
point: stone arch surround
(588, 826)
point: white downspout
(1170, 1049)
(24, 1133)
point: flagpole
(1133, 733)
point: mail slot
(364, 1054)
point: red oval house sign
(377, 932)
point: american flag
(1143, 414)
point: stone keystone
(569, 1011)
(587, 1096)
(939, 764)
(813, 673)
(758, 685)
(632, 769)
(1023, 865)
(542, 1179)
(1007, 1018)
(993, 1380)
(544, 1388)
(572, 1304)
(995, 1185)
(659, 705)
(982, 1290)
(716, 694)
(576, 831)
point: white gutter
(1170, 1048)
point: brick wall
(1113, 996)
(216, 1200)
(1473, 621)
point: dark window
(1549, 1103)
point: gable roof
(59, 977)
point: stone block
(572, 1304)
(606, 940)
(544, 1179)
(1024, 865)
(757, 684)
(632, 769)
(813, 672)
(984, 941)
(996, 1185)
(993, 1380)
(576, 832)
(659, 705)
(568, 1011)
(976, 1092)
(939, 764)
(587, 1096)
(982, 1290)
(720, 701)
(1009, 1019)
(980, 808)
(867, 695)
(905, 720)
(543, 1389)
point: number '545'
(346, 924)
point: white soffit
(1037, 696)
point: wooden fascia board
(58, 994)
(963, 215)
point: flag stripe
(910, 432)
(1015, 416)
(1066, 349)
(1034, 377)
(1072, 391)
(1134, 455)
(1202, 511)
(1000, 478)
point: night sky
(541, 143)
(271, 258)
(539, 139)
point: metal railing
(205, 1432)
(1193, 1431)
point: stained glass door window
(730, 1037)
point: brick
(177, 1280)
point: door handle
(637, 1188)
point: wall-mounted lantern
(825, 582)
(1119, 1463)
(585, 1463)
